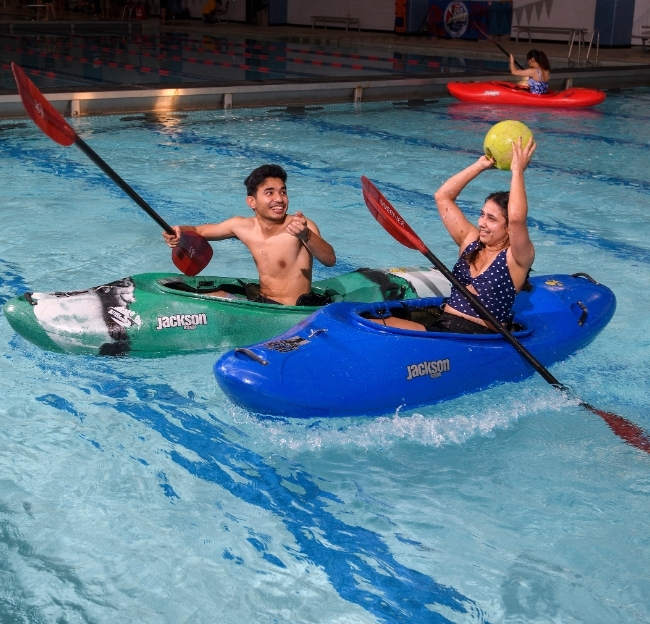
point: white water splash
(479, 415)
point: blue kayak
(338, 363)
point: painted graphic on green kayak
(148, 315)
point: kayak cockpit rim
(363, 315)
(239, 289)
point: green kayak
(159, 314)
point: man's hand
(298, 227)
(172, 241)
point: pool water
(59, 61)
(134, 491)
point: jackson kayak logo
(491, 93)
(433, 369)
(456, 19)
(186, 321)
(286, 345)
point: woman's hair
(501, 199)
(540, 58)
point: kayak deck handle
(585, 312)
(29, 299)
(586, 276)
(315, 332)
(253, 356)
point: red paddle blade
(41, 111)
(389, 218)
(624, 429)
(192, 254)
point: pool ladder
(576, 33)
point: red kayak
(509, 93)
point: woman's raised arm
(461, 230)
(521, 247)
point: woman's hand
(485, 162)
(521, 155)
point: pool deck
(616, 68)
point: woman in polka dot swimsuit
(495, 257)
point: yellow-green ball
(498, 141)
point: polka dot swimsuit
(494, 286)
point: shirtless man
(283, 246)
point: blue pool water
(133, 491)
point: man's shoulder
(241, 225)
(240, 221)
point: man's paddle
(193, 252)
(400, 230)
(495, 43)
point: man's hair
(257, 177)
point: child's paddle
(495, 43)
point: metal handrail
(591, 40)
(580, 42)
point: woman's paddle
(193, 252)
(495, 43)
(400, 230)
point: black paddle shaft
(496, 44)
(88, 151)
(488, 316)
(629, 432)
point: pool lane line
(284, 59)
(83, 61)
(322, 52)
(319, 62)
(51, 161)
(82, 81)
(124, 66)
(272, 47)
(391, 60)
(279, 58)
(327, 174)
(303, 52)
(210, 62)
(359, 131)
(365, 132)
(163, 72)
(345, 552)
(32, 72)
(440, 112)
(562, 233)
